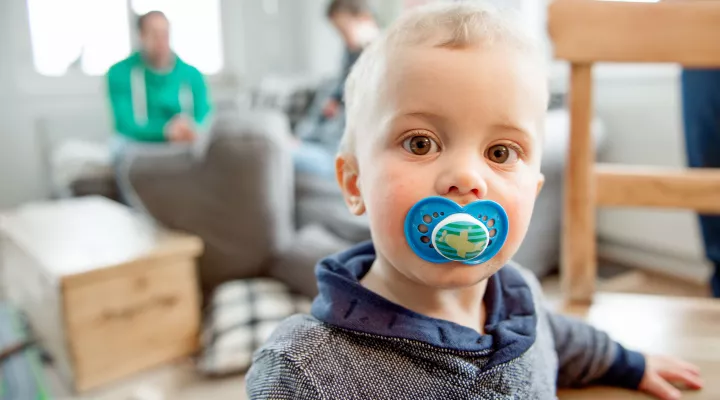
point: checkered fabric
(243, 314)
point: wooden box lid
(89, 236)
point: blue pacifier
(440, 230)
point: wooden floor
(646, 325)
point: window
(92, 35)
(63, 34)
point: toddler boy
(449, 102)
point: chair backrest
(681, 31)
(589, 31)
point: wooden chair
(589, 31)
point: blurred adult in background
(156, 100)
(320, 132)
(155, 96)
(354, 21)
(701, 114)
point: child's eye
(420, 145)
(502, 154)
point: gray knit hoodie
(358, 345)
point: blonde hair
(456, 25)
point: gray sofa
(240, 199)
(258, 218)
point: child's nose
(462, 183)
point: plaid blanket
(21, 374)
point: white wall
(18, 171)
(323, 48)
(274, 43)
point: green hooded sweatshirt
(144, 100)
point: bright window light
(65, 32)
(92, 35)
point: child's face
(460, 123)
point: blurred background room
(148, 263)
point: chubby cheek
(519, 207)
(392, 189)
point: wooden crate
(107, 293)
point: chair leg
(578, 264)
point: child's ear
(346, 170)
(541, 182)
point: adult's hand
(331, 108)
(180, 130)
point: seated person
(319, 134)
(354, 21)
(155, 97)
(445, 117)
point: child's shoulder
(280, 367)
(296, 337)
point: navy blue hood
(510, 327)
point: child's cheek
(393, 195)
(519, 209)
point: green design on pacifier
(460, 237)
